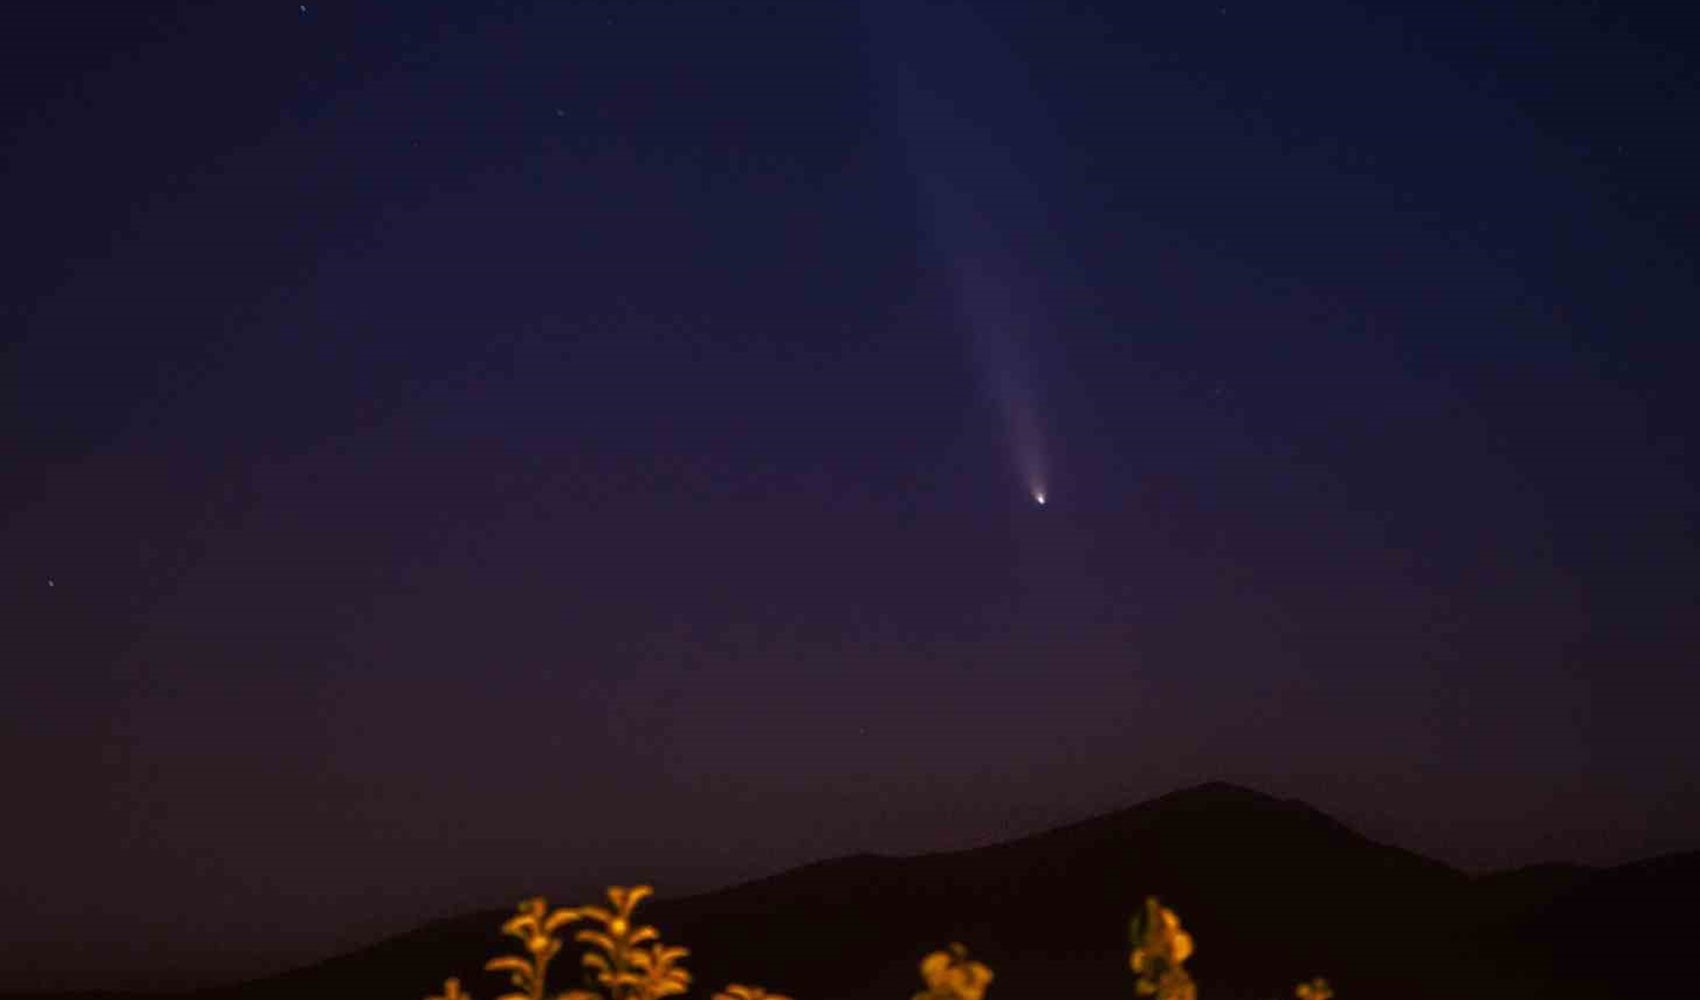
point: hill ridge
(1273, 888)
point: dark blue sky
(456, 450)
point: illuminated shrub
(1160, 949)
(949, 975)
(629, 961)
(535, 925)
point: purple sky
(481, 448)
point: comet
(984, 224)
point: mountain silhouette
(1273, 891)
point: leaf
(627, 898)
(671, 953)
(510, 963)
(451, 991)
(736, 991)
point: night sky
(459, 450)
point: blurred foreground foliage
(628, 961)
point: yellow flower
(1316, 989)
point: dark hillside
(1273, 891)
(1624, 931)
